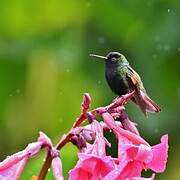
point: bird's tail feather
(146, 104)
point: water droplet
(154, 56)
(166, 47)
(159, 47)
(110, 131)
(44, 160)
(88, 4)
(67, 70)
(101, 40)
(157, 38)
(18, 91)
(49, 170)
(60, 93)
(168, 10)
(178, 49)
(60, 120)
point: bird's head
(111, 58)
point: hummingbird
(122, 79)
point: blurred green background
(45, 68)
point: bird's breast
(117, 81)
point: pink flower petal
(44, 139)
(135, 139)
(11, 168)
(127, 124)
(125, 169)
(30, 150)
(13, 172)
(160, 155)
(57, 168)
(99, 145)
(33, 148)
(86, 102)
(132, 169)
(140, 153)
(91, 167)
(115, 173)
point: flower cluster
(134, 153)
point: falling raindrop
(60, 120)
(18, 91)
(168, 10)
(159, 47)
(49, 170)
(67, 70)
(154, 56)
(178, 49)
(60, 93)
(101, 40)
(88, 4)
(157, 38)
(166, 47)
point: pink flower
(134, 153)
(56, 165)
(91, 167)
(99, 145)
(12, 167)
(122, 133)
(135, 158)
(57, 168)
(160, 155)
(86, 103)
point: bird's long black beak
(98, 56)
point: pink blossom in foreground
(12, 167)
(160, 155)
(134, 153)
(91, 167)
(135, 158)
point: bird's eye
(114, 59)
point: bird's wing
(141, 98)
(133, 77)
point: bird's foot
(116, 99)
